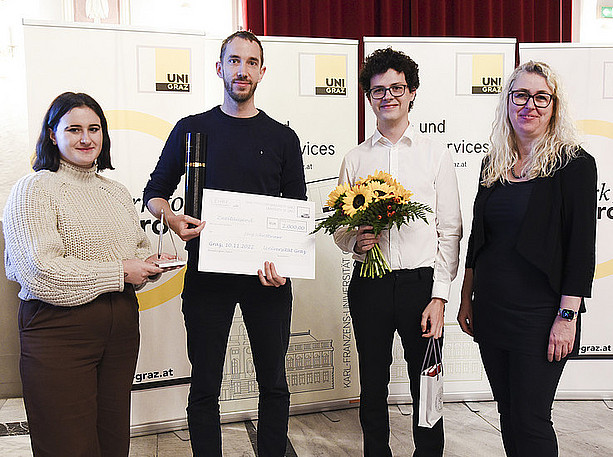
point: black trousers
(524, 387)
(209, 301)
(379, 307)
(77, 366)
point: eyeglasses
(521, 98)
(396, 90)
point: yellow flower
(357, 198)
(380, 190)
(403, 193)
(383, 185)
(407, 194)
(382, 176)
(336, 194)
(379, 176)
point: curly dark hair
(382, 60)
(245, 35)
(47, 153)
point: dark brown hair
(47, 153)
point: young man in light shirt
(423, 257)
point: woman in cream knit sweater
(75, 245)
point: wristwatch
(568, 314)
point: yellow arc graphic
(596, 127)
(158, 128)
(605, 129)
(139, 122)
(162, 293)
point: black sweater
(255, 155)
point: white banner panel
(309, 84)
(587, 76)
(145, 82)
(459, 84)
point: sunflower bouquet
(379, 201)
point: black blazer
(558, 234)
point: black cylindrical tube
(195, 172)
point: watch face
(567, 314)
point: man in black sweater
(247, 151)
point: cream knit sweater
(66, 234)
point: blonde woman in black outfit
(531, 255)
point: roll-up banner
(587, 77)
(460, 80)
(310, 85)
(146, 81)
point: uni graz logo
(489, 85)
(333, 86)
(330, 75)
(175, 82)
(487, 73)
(323, 74)
(164, 69)
(171, 70)
(479, 74)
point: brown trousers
(77, 366)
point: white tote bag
(431, 386)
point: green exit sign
(606, 12)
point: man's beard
(242, 96)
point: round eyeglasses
(521, 98)
(396, 90)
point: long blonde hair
(558, 146)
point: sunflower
(336, 194)
(403, 193)
(356, 199)
(381, 190)
(389, 179)
(407, 194)
(379, 176)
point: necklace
(521, 176)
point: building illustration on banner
(461, 358)
(164, 69)
(323, 74)
(309, 364)
(479, 74)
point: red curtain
(526, 20)
(328, 18)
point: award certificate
(243, 231)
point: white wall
(588, 27)
(214, 17)
(13, 115)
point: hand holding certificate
(269, 276)
(243, 231)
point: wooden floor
(584, 429)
